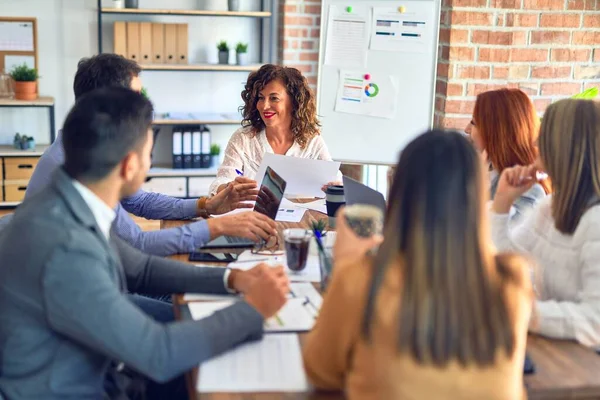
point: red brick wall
(299, 29)
(548, 48)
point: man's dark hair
(104, 70)
(101, 128)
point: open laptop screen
(270, 194)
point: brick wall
(548, 48)
(299, 29)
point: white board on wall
(397, 82)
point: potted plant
(241, 53)
(23, 142)
(223, 48)
(233, 5)
(25, 82)
(318, 227)
(215, 150)
(144, 92)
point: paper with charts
(273, 364)
(297, 315)
(360, 92)
(304, 176)
(347, 36)
(404, 32)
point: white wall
(67, 31)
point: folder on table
(196, 148)
(171, 43)
(187, 149)
(182, 43)
(133, 41)
(120, 39)
(158, 43)
(205, 150)
(177, 149)
(145, 42)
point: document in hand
(304, 176)
(273, 364)
(297, 315)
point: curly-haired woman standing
(279, 117)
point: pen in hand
(240, 173)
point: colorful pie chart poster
(374, 95)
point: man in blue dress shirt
(113, 70)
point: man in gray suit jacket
(64, 315)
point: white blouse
(245, 152)
(568, 305)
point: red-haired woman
(280, 117)
(505, 126)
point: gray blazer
(64, 315)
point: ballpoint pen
(240, 173)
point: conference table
(563, 369)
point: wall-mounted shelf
(9, 151)
(200, 67)
(169, 122)
(39, 102)
(188, 13)
(9, 204)
(165, 171)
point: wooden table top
(564, 369)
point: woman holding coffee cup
(279, 117)
(434, 308)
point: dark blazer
(64, 314)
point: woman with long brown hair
(435, 314)
(280, 117)
(563, 232)
(505, 127)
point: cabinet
(16, 168)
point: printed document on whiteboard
(347, 36)
(376, 96)
(405, 32)
(273, 364)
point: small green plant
(23, 142)
(215, 150)
(144, 93)
(22, 73)
(241, 48)
(223, 46)
(319, 226)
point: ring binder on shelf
(177, 148)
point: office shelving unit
(266, 18)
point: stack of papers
(317, 205)
(297, 315)
(273, 364)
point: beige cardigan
(336, 356)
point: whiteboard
(370, 139)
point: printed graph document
(375, 95)
(304, 176)
(273, 364)
(297, 315)
(403, 32)
(347, 36)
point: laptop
(357, 193)
(271, 191)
